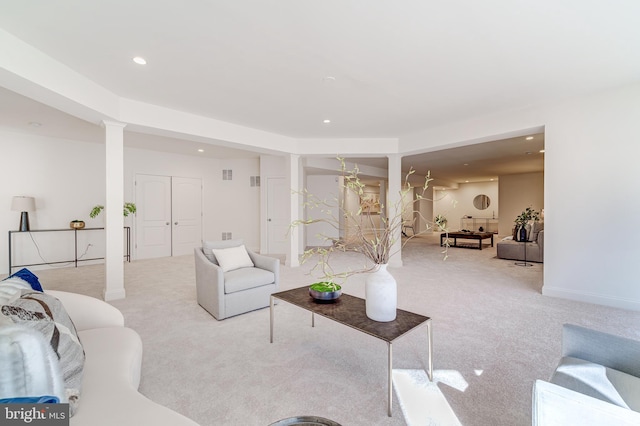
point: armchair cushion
(246, 278)
(233, 258)
(599, 382)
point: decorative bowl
(323, 295)
(76, 224)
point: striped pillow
(46, 314)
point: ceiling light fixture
(140, 60)
(326, 121)
(529, 138)
(541, 151)
(201, 150)
(465, 164)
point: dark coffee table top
(461, 234)
(350, 310)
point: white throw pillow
(233, 258)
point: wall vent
(255, 180)
(226, 236)
(227, 174)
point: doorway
(169, 215)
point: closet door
(186, 213)
(278, 202)
(153, 216)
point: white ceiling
(398, 67)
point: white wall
(228, 206)
(67, 178)
(591, 155)
(518, 192)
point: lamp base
(24, 221)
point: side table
(524, 263)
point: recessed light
(329, 79)
(140, 60)
(541, 151)
(327, 121)
(201, 150)
(465, 164)
(491, 180)
(529, 138)
(466, 181)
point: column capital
(112, 123)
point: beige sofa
(113, 361)
(515, 250)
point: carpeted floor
(494, 334)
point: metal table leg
(430, 362)
(390, 389)
(271, 318)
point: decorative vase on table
(381, 295)
(522, 233)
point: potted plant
(440, 221)
(325, 291)
(374, 241)
(522, 220)
(128, 208)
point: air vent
(255, 181)
(226, 236)
(227, 174)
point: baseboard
(597, 299)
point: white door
(186, 212)
(278, 205)
(153, 216)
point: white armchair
(596, 382)
(228, 286)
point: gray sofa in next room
(515, 250)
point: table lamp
(24, 205)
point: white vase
(381, 295)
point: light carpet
(493, 334)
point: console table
(488, 224)
(350, 311)
(75, 260)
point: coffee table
(351, 311)
(468, 236)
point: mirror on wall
(481, 202)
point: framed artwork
(370, 203)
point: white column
(293, 249)
(384, 211)
(114, 219)
(395, 205)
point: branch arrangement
(373, 241)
